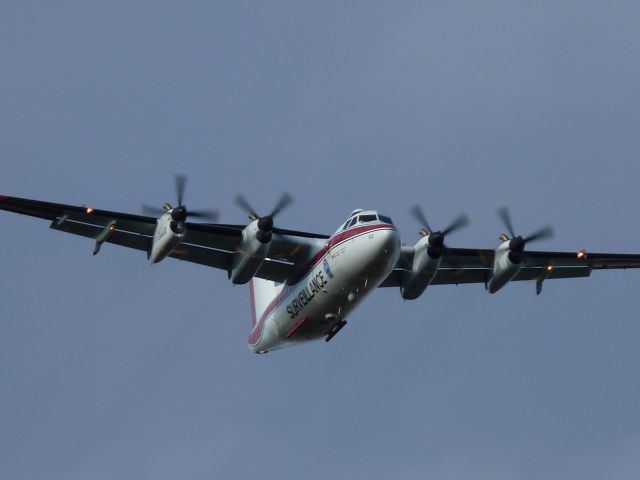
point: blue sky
(110, 367)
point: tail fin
(262, 292)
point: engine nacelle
(166, 238)
(254, 248)
(424, 269)
(506, 265)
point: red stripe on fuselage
(296, 327)
(257, 331)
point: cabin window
(367, 218)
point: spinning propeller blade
(504, 215)
(285, 200)
(244, 205)
(265, 223)
(517, 242)
(211, 215)
(419, 216)
(151, 211)
(180, 212)
(181, 183)
(436, 246)
(460, 222)
(543, 233)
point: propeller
(265, 223)
(518, 242)
(180, 212)
(436, 238)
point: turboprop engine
(427, 255)
(166, 238)
(171, 225)
(509, 254)
(256, 240)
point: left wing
(466, 265)
(213, 245)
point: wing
(466, 265)
(213, 245)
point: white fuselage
(353, 262)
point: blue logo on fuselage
(327, 269)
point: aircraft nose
(389, 239)
(387, 247)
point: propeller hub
(265, 224)
(179, 214)
(436, 239)
(517, 245)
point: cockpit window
(352, 222)
(385, 219)
(367, 218)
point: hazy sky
(112, 368)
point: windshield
(367, 218)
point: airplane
(304, 285)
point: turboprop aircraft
(304, 285)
